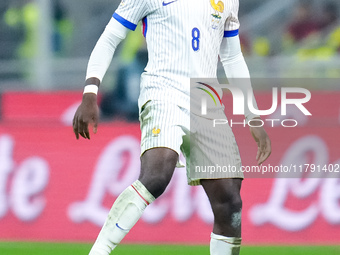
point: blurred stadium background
(57, 191)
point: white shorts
(210, 152)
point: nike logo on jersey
(167, 3)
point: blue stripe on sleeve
(145, 26)
(231, 33)
(124, 22)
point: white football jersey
(183, 40)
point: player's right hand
(86, 114)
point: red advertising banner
(42, 106)
(54, 187)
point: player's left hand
(263, 143)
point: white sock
(222, 245)
(125, 212)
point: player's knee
(227, 202)
(157, 181)
(230, 203)
(156, 185)
(236, 203)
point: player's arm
(237, 73)
(100, 59)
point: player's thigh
(160, 146)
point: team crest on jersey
(218, 10)
(155, 131)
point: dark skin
(158, 165)
(87, 113)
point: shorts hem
(197, 182)
(143, 150)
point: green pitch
(26, 248)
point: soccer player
(185, 38)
